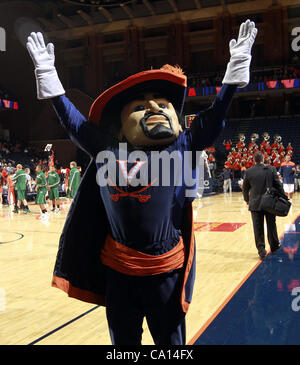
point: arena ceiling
(56, 15)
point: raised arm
(82, 132)
(208, 124)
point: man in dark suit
(254, 186)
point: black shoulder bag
(273, 201)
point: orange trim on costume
(77, 293)
(290, 163)
(161, 74)
(131, 262)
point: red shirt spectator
(280, 148)
(236, 166)
(289, 147)
(263, 145)
(227, 145)
(240, 144)
(277, 162)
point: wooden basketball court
(31, 311)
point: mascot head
(144, 109)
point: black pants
(258, 226)
(130, 299)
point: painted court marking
(227, 300)
(216, 226)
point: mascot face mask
(149, 119)
(143, 109)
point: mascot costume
(125, 246)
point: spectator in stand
(277, 161)
(290, 153)
(249, 163)
(245, 153)
(274, 153)
(282, 156)
(268, 148)
(275, 145)
(281, 148)
(227, 145)
(9, 168)
(289, 147)
(237, 168)
(240, 145)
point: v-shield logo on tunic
(133, 172)
(129, 177)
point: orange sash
(131, 262)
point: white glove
(238, 68)
(47, 81)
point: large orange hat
(168, 80)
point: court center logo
(296, 41)
(2, 40)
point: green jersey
(20, 179)
(53, 179)
(41, 181)
(74, 179)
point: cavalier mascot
(129, 246)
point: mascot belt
(131, 262)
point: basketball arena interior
(239, 298)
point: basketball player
(74, 180)
(41, 189)
(20, 185)
(53, 183)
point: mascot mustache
(160, 131)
